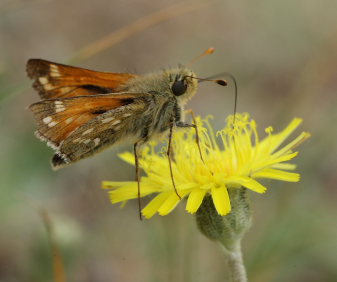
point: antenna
(209, 51)
(217, 81)
(235, 87)
(223, 83)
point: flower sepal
(228, 230)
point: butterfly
(83, 112)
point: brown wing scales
(58, 118)
(99, 133)
(53, 80)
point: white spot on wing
(48, 86)
(49, 143)
(60, 109)
(65, 89)
(86, 141)
(127, 115)
(54, 67)
(106, 120)
(55, 74)
(97, 140)
(43, 80)
(47, 120)
(116, 122)
(88, 131)
(54, 71)
(51, 124)
(69, 120)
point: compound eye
(179, 87)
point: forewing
(59, 118)
(53, 80)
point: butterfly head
(178, 82)
(182, 84)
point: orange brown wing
(53, 80)
(58, 118)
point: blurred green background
(284, 57)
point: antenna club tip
(210, 50)
(221, 82)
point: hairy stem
(237, 271)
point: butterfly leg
(194, 125)
(169, 156)
(135, 147)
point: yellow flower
(238, 161)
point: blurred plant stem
(228, 230)
(235, 264)
(58, 264)
(139, 25)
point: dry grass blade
(58, 265)
(141, 24)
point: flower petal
(284, 166)
(299, 139)
(246, 182)
(221, 200)
(152, 207)
(277, 174)
(129, 191)
(242, 158)
(279, 138)
(195, 199)
(169, 204)
(115, 184)
(128, 157)
(272, 161)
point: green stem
(228, 230)
(237, 270)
